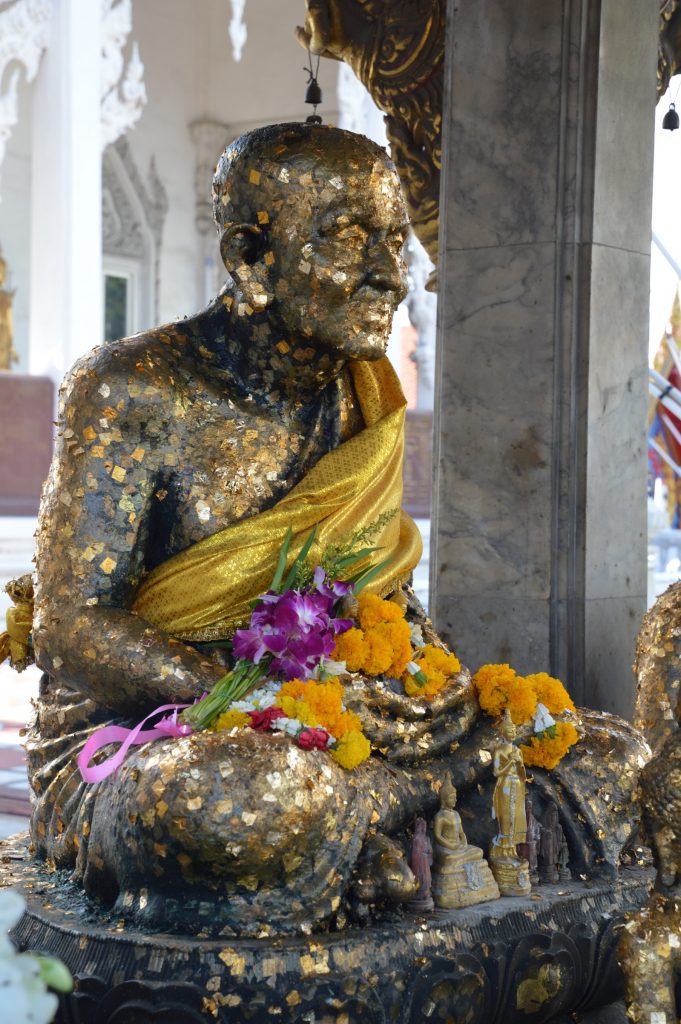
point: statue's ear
(240, 243)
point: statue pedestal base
(514, 959)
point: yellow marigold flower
(499, 688)
(231, 720)
(547, 751)
(299, 709)
(351, 749)
(378, 653)
(437, 665)
(374, 609)
(293, 688)
(550, 692)
(398, 635)
(350, 649)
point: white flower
(291, 726)
(23, 976)
(257, 701)
(416, 634)
(542, 718)
(412, 668)
(327, 667)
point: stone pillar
(66, 193)
(538, 551)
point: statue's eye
(351, 234)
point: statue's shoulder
(130, 376)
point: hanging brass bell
(313, 93)
(671, 119)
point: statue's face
(338, 272)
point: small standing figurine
(421, 860)
(7, 352)
(529, 850)
(511, 871)
(461, 876)
(549, 844)
(564, 873)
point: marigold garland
(499, 688)
(438, 665)
(351, 749)
(550, 692)
(318, 703)
(382, 644)
(310, 711)
(548, 748)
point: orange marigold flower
(374, 609)
(499, 687)
(551, 693)
(350, 649)
(351, 750)
(293, 688)
(547, 750)
(378, 653)
(437, 665)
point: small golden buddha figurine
(8, 354)
(461, 875)
(511, 871)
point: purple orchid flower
(295, 629)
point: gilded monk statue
(183, 456)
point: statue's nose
(386, 269)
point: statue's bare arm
(96, 516)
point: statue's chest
(224, 469)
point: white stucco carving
(238, 32)
(24, 33)
(123, 90)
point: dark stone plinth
(497, 963)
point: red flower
(261, 721)
(313, 739)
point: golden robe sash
(205, 592)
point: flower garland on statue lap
(538, 697)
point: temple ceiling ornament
(24, 35)
(123, 90)
(396, 49)
(238, 32)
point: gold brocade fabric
(205, 592)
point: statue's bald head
(263, 170)
(312, 225)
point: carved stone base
(463, 885)
(511, 873)
(512, 960)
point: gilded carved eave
(396, 49)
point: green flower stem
(231, 687)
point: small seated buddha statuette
(461, 875)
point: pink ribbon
(127, 738)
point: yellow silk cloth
(205, 592)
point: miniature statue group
(523, 852)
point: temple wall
(538, 551)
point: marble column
(66, 193)
(538, 550)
